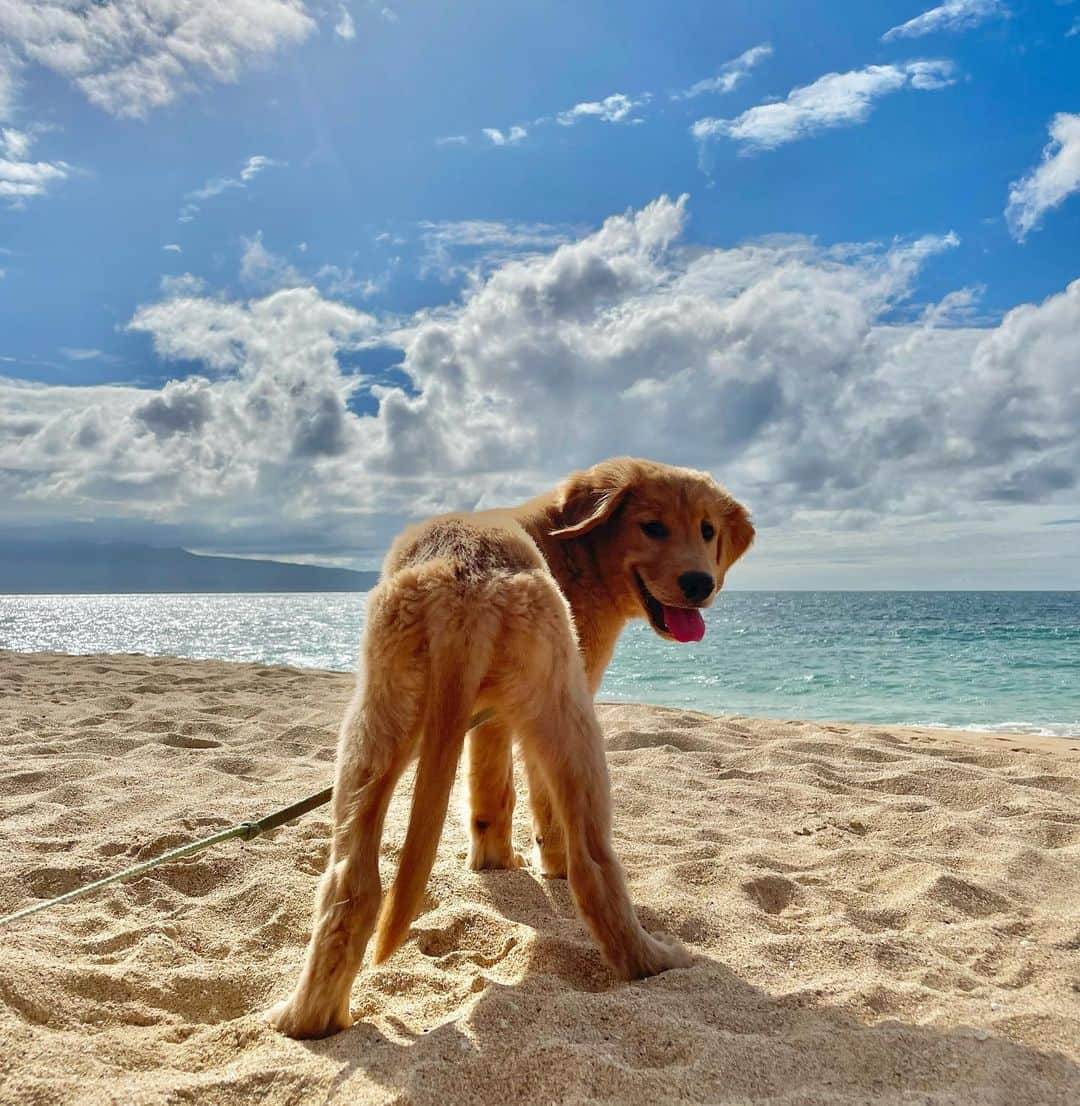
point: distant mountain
(38, 567)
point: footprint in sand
(47, 883)
(242, 767)
(773, 894)
(180, 741)
(19, 782)
(460, 929)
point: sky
(277, 277)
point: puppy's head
(664, 537)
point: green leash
(245, 831)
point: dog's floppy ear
(737, 536)
(587, 499)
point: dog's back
(479, 546)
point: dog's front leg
(491, 798)
(549, 841)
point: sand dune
(878, 915)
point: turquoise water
(983, 660)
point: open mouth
(680, 623)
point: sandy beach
(877, 914)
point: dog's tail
(446, 717)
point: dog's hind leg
(562, 743)
(376, 741)
(491, 798)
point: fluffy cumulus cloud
(129, 57)
(278, 380)
(953, 15)
(834, 100)
(1051, 182)
(804, 377)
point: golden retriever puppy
(518, 611)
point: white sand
(878, 915)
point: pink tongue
(684, 625)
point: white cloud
(834, 100)
(477, 245)
(622, 108)
(254, 165)
(172, 247)
(129, 57)
(778, 365)
(616, 108)
(341, 281)
(7, 85)
(15, 144)
(510, 138)
(20, 178)
(1074, 29)
(452, 140)
(263, 270)
(75, 354)
(620, 342)
(214, 187)
(731, 75)
(389, 15)
(1051, 182)
(345, 28)
(957, 308)
(953, 15)
(184, 284)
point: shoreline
(974, 730)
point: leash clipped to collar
(245, 831)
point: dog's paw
(481, 860)
(305, 1023)
(550, 865)
(655, 953)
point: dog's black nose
(696, 586)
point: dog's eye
(655, 529)
(707, 531)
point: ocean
(971, 660)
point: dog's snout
(696, 586)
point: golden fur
(517, 610)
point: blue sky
(279, 276)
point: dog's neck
(599, 614)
